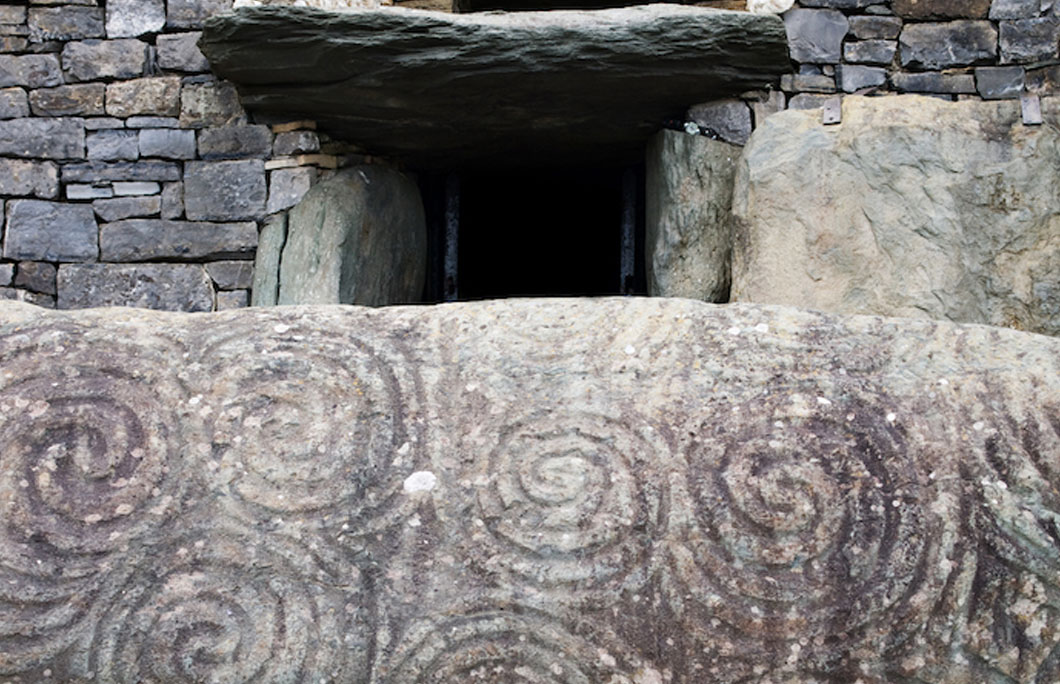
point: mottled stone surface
(449, 89)
(913, 207)
(621, 491)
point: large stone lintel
(448, 89)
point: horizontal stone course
(156, 239)
(175, 287)
(95, 171)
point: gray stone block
(13, 103)
(128, 18)
(295, 142)
(157, 239)
(172, 200)
(92, 60)
(170, 287)
(7, 274)
(34, 298)
(1044, 81)
(32, 71)
(120, 208)
(816, 36)
(136, 188)
(100, 123)
(62, 138)
(210, 104)
(266, 286)
(953, 43)
(224, 190)
(875, 28)
(808, 101)
(807, 83)
(728, 120)
(152, 122)
(231, 275)
(192, 13)
(941, 9)
(1025, 41)
(50, 231)
(69, 100)
(870, 51)
(88, 192)
(999, 83)
(36, 276)
(24, 178)
(776, 102)
(1015, 9)
(180, 52)
(230, 142)
(98, 171)
(288, 186)
(933, 82)
(12, 14)
(854, 77)
(235, 299)
(153, 96)
(65, 23)
(113, 145)
(167, 143)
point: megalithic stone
(603, 490)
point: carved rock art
(606, 490)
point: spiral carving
(311, 423)
(89, 437)
(235, 607)
(812, 522)
(559, 503)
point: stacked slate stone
(953, 49)
(129, 175)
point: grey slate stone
(808, 101)
(158, 239)
(65, 23)
(135, 188)
(854, 77)
(171, 287)
(119, 208)
(88, 192)
(295, 142)
(34, 298)
(12, 14)
(172, 200)
(953, 43)
(838, 4)
(60, 138)
(192, 13)
(288, 186)
(999, 83)
(573, 68)
(1026, 41)
(941, 9)
(91, 60)
(153, 96)
(100, 123)
(1015, 9)
(98, 171)
(266, 286)
(180, 52)
(167, 143)
(7, 272)
(224, 190)
(128, 18)
(50, 231)
(113, 145)
(13, 103)
(233, 299)
(152, 122)
(870, 51)
(32, 71)
(231, 275)
(933, 82)
(230, 142)
(210, 104)
(36, 276)
(816, 36)
(23, 178)
(729, 119)
(875, 28)
(68, 100)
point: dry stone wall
(129, 175)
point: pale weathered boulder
(688, 200)
(359, 237)
(912, 207)
(449, 89)
(620, 491)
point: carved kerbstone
(614, 490)
(447, 89)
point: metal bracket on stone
(833, 111)
(1031, 105)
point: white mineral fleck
(420, 481)
(734, 330)
(891, 417)
(630, 349)
(762, 328)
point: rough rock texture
(359, 237)
(446, 89)
(912, 207)
(621, 491)
(688, 200)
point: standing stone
(180, 52)
(816, 36)
(688, 200)
(23, 178)
(50, 231)
(224, 190)
(913, 207)
(157, 96)
(32, 71)
(129, 18)
(90, 60)
(171, 287)
(266, 285)
(62, 138)
(359, 237)
(69, 100)
(13, 103)
(954, 43)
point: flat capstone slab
(621, 491)
(439, 89)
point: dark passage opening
(540, 232)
